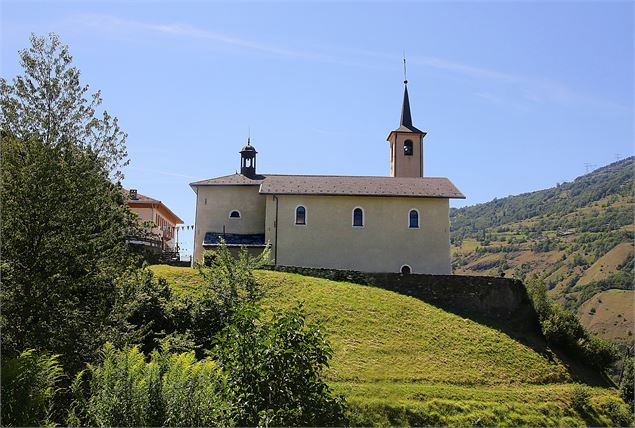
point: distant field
(400, 360)
(607, 264)
(610, 314)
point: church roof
(405, 124)
(231, 180)
(421, 187)
(342, 185)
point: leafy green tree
(230, 279)
(229, 284)
(275, 368)
(143, 312)
(538, 294)
(48, 103)
(63, 221)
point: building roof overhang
(143, 201)
(406, 130)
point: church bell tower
(248, 160)
(406, 144)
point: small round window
(234, 214)
(405, 270)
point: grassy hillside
(578, 236)
(402, 361)
(610, 314)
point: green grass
(399, 360)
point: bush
(562, 328)
(275, 370)
(598, 352)
(141, 314)
(230, 280)
(581, 399)
(169, 390)
(29, 385)
(626, 384)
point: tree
(48, 103)
(275, 369)
(64, 221)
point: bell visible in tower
(248, 160)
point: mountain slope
(577, 236)
(401, 361)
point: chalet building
(163, 220)
(398, 223)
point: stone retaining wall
(502, 300)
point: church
(398, 223)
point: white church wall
(384, 244)
(214, 203)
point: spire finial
(249, 135)
(405, 78)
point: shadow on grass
(498, 303)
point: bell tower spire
(406, 142)
(406, 118)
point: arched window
(413, 219)
(405, 270)
(358, 217)
(234, 214)
(407, 148)
(300, 215)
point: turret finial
(405, 78)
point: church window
(234, 214)
(405, 270)
(413, 219)
(358, 217)
(407, 148)
(300, 215)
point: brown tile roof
(230, 180)
(336, 185)
(426, 187)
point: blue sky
(515, 96)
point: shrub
(626, 383)
(230, 280)
(29, 385)
(562, 328)
(581, 399)
(141, 314)
(275, 369)
(598, 352)
(169, 390)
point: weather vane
(405, 78)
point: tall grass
(29, 384)
(167, 390)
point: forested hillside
(577, 237)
